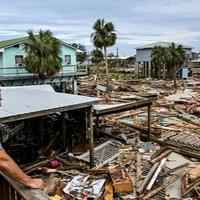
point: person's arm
(11, 169)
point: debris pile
(127, 165)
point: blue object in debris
(185, 73)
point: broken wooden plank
(175, 169)
(194, 174)
(147, 178)
(162, 162)
(158, 189)
(138, 168)
(161, 156)
(191, 187)
(48, 146)
(108, 192)
(35, 166)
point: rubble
(127, 166)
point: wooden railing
(21, 71)
(11, 190)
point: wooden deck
(11, 190)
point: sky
(137, 22)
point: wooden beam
(63, 131)
(149, 122)
(22, 191)
(158, 189)
(148, 177)
(91, 136)
(138, 168)
(46, 112)
(127, 106)
(150, 185)
(161, 156)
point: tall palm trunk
(106, 68)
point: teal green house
(13, 71)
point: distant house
(143, 57)
(13, 71)
(196, 67)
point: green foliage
(97, 56)
(81, 57)
(158, 56)
(43, 52)
(104, 35)
(174, 56)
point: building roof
(196, 61)
(32, 101)
(162, 44)
(11, 42)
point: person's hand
(36, 184)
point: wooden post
(41, 129)
(149, 69)
(91, 137)
(149, 122)
(74, 84)
(63, 131)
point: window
(19, 61)
(67, 59)
(16, 46)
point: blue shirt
(1, 146)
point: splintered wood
(108, 192)
(138, 168)
(121, 180)
(194, 174)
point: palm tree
(104, 36)
(43, 52)
(158, 58)
(97, 58)
(176, 58)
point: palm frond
(43, 53)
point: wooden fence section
(11, 190)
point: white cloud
(169, 6)
(137, 22)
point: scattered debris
(127, 166)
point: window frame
(19, 64)
(69, 59)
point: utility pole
(117, 63)
(117, 58)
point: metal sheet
(104, 153)
(29, 100)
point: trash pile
(168, 166)
(127, 165)
(128, 170)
